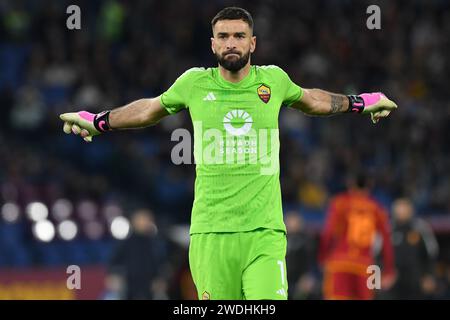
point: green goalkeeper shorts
(239, 265)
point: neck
(359, 191)
(234, 76)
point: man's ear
(253, 44)
(212, 46)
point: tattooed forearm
(337, 103)
(322, 103)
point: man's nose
(231, 43)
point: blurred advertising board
(51, 284)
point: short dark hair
(233, 13)
(360, 179)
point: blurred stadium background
(64, 202)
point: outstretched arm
(324, 103)
(137, 114)
(321, 102)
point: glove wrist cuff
(355, 104)
(101, 121)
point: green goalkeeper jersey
(236, 145)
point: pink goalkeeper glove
(86, 124)
(377, 104)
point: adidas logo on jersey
(209, 97)
(282, 292)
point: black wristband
(101, 121)
(355, 104)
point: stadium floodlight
(37, 211)
(120, 227)
(67, 230)
(44, 230)
(10, 212)
(62, 209)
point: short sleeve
(292, 92)
(176, 97)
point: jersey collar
(249, 78)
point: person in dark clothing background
(140, 259)
(416, 251)
(300, 255)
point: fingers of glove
(76, 129)
(67, 128)
(88, 138)
(389, 104)
(70, 122)
(373, 118)
(376, 116)
(84, 133)
(69, 117)
(383, 113)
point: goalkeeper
(238, 238)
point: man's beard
(233, 65)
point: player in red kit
(346, 248)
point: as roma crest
(264, 93)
